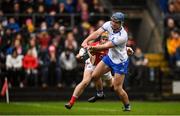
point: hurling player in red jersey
(90, 63)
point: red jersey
(98, 55)
(30, 62)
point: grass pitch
(85, 108)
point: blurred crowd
(37, 47)
(39, 40)
(171, 42)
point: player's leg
(99, 87)
(118, 88)
(108, 79)
(82, 85)
(79, 89)
(119, 74)
(99, 91)
(100, 69)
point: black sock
(100, 93)
(126, 105)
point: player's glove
(130, 51)
(83, 54)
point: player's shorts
(107, 76)
(121, 68)
(90, 67)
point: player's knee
(119, 90)
(117, 87)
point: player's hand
(130, 51)
(84, 44)
(79, 57)
(91, 49)
(81, 53)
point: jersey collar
(118, 30)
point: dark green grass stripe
(84, 108)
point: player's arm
(115, 41)
(92, 36)
(107, 45)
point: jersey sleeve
(106, 26)
(118, 40)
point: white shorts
(90, 67)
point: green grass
(84, 108)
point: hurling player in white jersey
(117, 58)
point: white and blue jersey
(117, 58)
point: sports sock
(73, 100)
(100, 93)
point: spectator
(33, 46)
(51, 70)
(50, 19)
(13, 25)
(30, 64)
(62, 31)
(68, 65)
(16, 44)
(138, 66)
(53, 6)
(16, 10)
(84, 29)
(170, 25)
(55, 30)
(43, 27)
(38, 3)
(61, 8)
(25, 4)
(163, 5)
(98, 8)
(70, 42)
(79, 6)
(3, 19)
(65, 20)
(14, 67)
(69, 6)
(7, 40)
(44, 41)
(84, 12)
(173, 43)
(77, 35)
(30, 10)
(30, 26)
(41, 17)
(174, 6)
(100, 23)
(56, 42)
